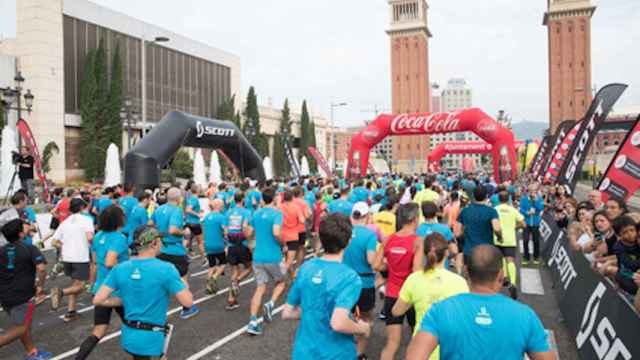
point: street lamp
(11, 96)
(143, 44)
(333, 133)
(127, 114)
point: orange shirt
(291, 214)
(306, 212)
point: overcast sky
(337, 50)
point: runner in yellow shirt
(426, 287)
(426, 194)
(510, 220)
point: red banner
(229, 163)
(320, 160)
(30, 142)
(559, 157)
(622, 178)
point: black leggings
(532, 233)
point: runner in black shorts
(238, 253)
(179, 261)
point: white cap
(360, 209)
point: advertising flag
(30, 142)
(622, 178)
(555, 141)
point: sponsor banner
(321, 161)
(30, 142)
(559, 157)
(622, 178)
(604, 325)
(407, 124)
(540, 154)
(292, 160)
(554, 143)
(590, 125)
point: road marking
(199, 273)
(531, 281)
(218, 344)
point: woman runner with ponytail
(433, 283)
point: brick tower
(410, 90)
(569, 26)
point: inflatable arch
(474, 120)
(144, 162)
(460, 147)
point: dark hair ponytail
(435, 248)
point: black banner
(591, 123)
(542, 150)
(604, 324)
(292, 161)
(622, 178)
(562, 131)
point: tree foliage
(252, 117)
(279, 161)
(182, 164)
(115, 100)
(283, 168)
(313, 165)
(89, 112)
(47, 153)
(227, 111)
(304, 131)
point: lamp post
(127, 114)
(333, 134)
(143, 93)
(14, 95)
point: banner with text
(590, 125)
(321, 161)
(30, 142)
(293, 163)
(561, 132)
(542, 150)
(622, 178)
(603, 322)
(558, 159)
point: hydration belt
(236, 238)
(366, 274)
(146, 326)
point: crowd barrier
(604, 324)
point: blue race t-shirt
(103, 203)
(310, 198)
(127, 203)
(341, 206)
(427, 228)
(358, 194)
(31, 216)
(268, 249)
(475, 326)
(103, 243)
(363, 240)
(213, 228)
(194, 203)
(164, 217)
(321, 287)
(253, 197)
(236, 218)
(145, 286)
(478, 230)
(139, 217)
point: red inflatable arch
(474, 120)
(460, 147)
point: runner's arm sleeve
(36, 256)
(173, 283)
(349, 292)
(405, 291)
(430, 323)
(537, 340)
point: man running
(169, 219)
(483, 319)
(128, 202)
(342, 205)
(360, 255)
(73, 236)
(298, 199)
(145, 284)
(510, 219)
(193, 214)
(322, 297)
(292, 220)
(238, 231)
(431, 225)
(213, 226)
(139, 215)
(22, 276)
(267, 260)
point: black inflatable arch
(176, 129)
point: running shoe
(525, 262)
(268, 312)
(40, 355)
(189, 313)
(212, 286)
(363, 357)
(382, 316)
(235, 289)
(56, 297)
(513, 291)
(254, 328)
(70, 316)
(205, 262)
(381, 291)
(232, 305)
(536, 262)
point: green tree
(115, 101)
(252, 116)
(226, 111)
(304, 132)
(182, 165)
(279, 161)
(47, 153)
(313, 165)
(102, 134)
(284, 135)
(89, 113)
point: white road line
(199, 273)
(531, 281)
(218, 344)
(170, 312)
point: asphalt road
(218, 334)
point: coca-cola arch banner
(622, 178)
(559, 136)
(459, 147)
(474, 120)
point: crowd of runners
(438, 250)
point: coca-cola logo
(487, 127)
(370, 133)
(425, 124)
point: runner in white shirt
(73, 237)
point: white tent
(199, 176)
(112, 172)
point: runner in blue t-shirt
(145, 284)
(478, 222)
(127, 203)
(104, 201)
(252, 199)
(322, 297)
(267, 260)
(238, 253)
(482, 324)
(341, 205)
(213, 226)
(359, 256)
(169, 219)
(430, 213)
(193, 213)
(109, 248)
(139, 215)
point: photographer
(25, 162)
